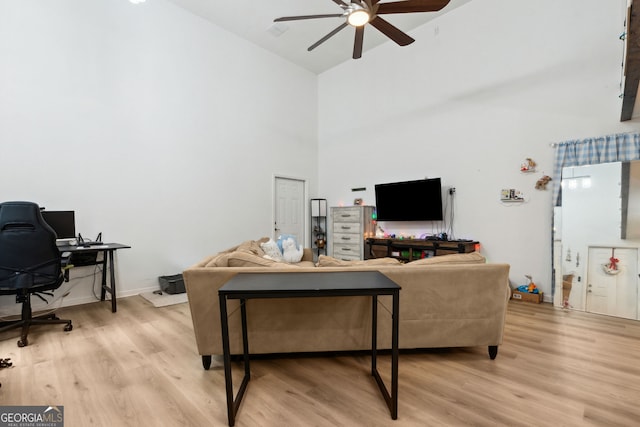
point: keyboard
(85, 244)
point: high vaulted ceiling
(253, 21)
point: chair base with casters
(27, 319)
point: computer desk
(107, 264)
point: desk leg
(103, 290)
(107, 264)
(112, 274)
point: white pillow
(271, 250)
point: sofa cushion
(470, 258)
(205, 261)
(218, 260)
(328, 261)
(304, 263)
(252, 247)
(243, 258)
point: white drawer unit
(350, 226)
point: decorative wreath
(612, 266)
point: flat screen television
(419, 200)
(62, 222)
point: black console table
(245, 286)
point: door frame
(305, 197)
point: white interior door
(613, 294)
(289, 208)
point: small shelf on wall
(318, 224)
(511, 195)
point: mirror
(596, 239)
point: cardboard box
(525, 296)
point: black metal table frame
(107, 263)
(233, 403)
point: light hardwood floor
(140, 367)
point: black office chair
(30, 263)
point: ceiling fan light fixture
(358, 17)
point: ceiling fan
(358, 13)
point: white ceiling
(252, 20)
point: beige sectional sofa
(447, 301)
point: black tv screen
(419, 200)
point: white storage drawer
(346, 227)
(347, 215)
(346, 252)
(349, 227)
(353, 239)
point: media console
(413, 249)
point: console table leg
(374, 334)
(245, 339)
(390, 398)
(227, 360)
(394, 355)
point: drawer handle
(344, 227)
(345, 238)
(346, 215)
(346, 249)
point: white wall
(158, 128)
(482, 88)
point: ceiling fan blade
(392, 32)
(298, 18)
(327, 37)
(340, 3)
(357, 44)
(410, 6)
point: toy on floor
(529, 287)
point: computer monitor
(62, 222)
